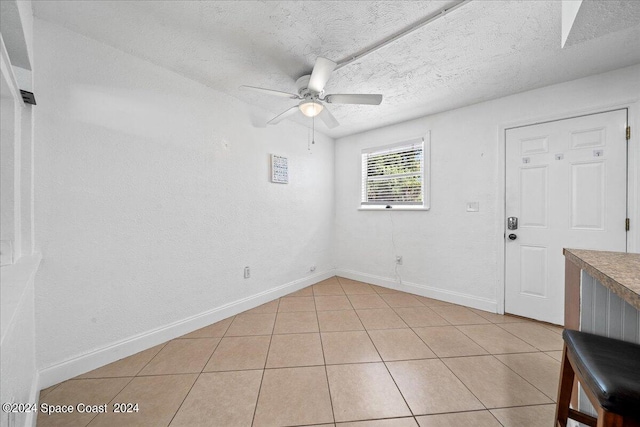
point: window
(395, 176)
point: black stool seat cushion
(610, 368)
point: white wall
(7, 160)
(152, 194)
(448, 252)
(18, 371)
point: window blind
(393, 175)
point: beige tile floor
(339, 353)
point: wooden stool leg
(564, 390)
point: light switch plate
(473, 206)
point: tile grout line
(185, 396)
(385, 329)
(522, 339)
(324, 361)
(150, 360)
(494, 354)
(216, 347)
(467, 335)
(264, 369)
(388, 371)
(153, 375)
(382, 359)
(502, 329)
(489, 354)
(103, 378)
(112, 399)
(424, 306)
(425, 343)
(512, 407)
(233, 319)
(464, 384)
(437, 355)
(526, 380)
(462, 412)
(119, 391)
(380, 356)
(197, 378)
(53, 387)
(521, 406)
(495, 418)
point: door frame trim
(633, 178)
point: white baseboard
(422, 290)
(87, 362)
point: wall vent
(28, 97)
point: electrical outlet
(247, 272)
(399, 259)
(313, 268)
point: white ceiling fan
(311, 93)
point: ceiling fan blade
(367, 99)
(270, 92)
(328, 118)
(277, 119)
(320, 75)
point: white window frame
(426, 175)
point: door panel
(566, 183)
(533, 273)
(534, 146)
(588, 138)
(534, 197)
(587, 196)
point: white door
(566, 185)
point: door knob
(512, 236)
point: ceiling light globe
(310, 108)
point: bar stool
(609, 372)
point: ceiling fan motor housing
(302, 85)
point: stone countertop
(618, 271)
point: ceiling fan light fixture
(310, 108)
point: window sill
(395, 208)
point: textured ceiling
(481, 51)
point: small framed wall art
(279, 169)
